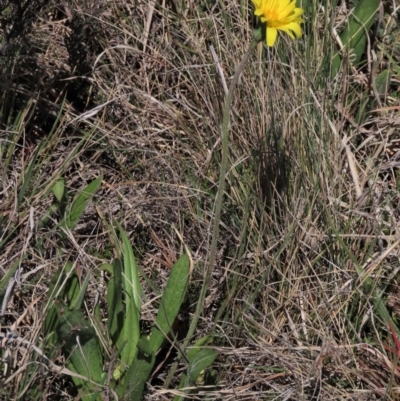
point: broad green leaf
(191, 357)
(201, 361)
(171, 301)
(137, 375)
(51, 320)
(354, 37)
(79, 204)
(197, 347)
(59, 189)
(82, 348)
(382, 82)
(144, 346)
(131, 284)
(170, 304)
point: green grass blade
(27, 177)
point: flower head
(280, 15)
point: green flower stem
(218, 204)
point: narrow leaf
(115, 307)
(131, 284)
(79, 204)
(27, 177)
(77, 301)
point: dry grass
(131, 90)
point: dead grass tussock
(312, 191)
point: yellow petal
(293, 26)
(272, 33)
(297, 12)
(283, 4)
(289, 8)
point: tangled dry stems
(310, 193)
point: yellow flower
(280, 15)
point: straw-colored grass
(308, 252)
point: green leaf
(196, 361)
(59, 189)
(79, 204)
(77, 301)
(114, 301)
(197, 347)
(8, 275)
(137, 375)
(82, 348)
(201, 361)
(51, 320)
(131, 284)
(5, 280)
(144, 346)
(382, 82)
(355, 34)
(71, 288)
(171, 301)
